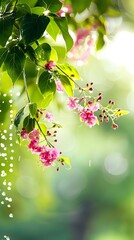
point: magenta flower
(59, 86)
(88, 117)
(48, 155)
(94, 106)
(24, 133)
(72, 102)
(34, 135)
(66, 9)
(49, 117)
(50, 65)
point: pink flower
(59, 86)
(88, 117)
(50, 65)
(34, 135)
(49, 117)
(24, 133)
(67, 9)
(72, 102)
(35, 148)
(94, 106)
(82, 46)
(48, 155)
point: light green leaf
(65, 160)
(38, 10)
(52, 29)
(47, 99)
(14, 62)
(100, 41)
(63, 26)
(66, 84)
(80, 6)
(69, 70)
(33, 109)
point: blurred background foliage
(94, 200)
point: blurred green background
(94, 200)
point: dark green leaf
(31, 3)
(33, 109)
(46, 85)
(63, 26)
(53, 5)
(14, 63)
(102, 5)
(66, 84)
(33, 27)
(6, 25)
(80, 6)
(22, 9)
(29, 123)
(31, 53)
(3, 55)
(19, 116)
(100, 41)
(52, 29)
(44, 51)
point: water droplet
(6, 237)
(8, 205)
(11, 215)
(2, 202)
(3, 194)
(10, 170)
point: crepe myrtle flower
(48, 155)
(88, 117)
(49, 117)
(50, 65)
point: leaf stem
(25, 84)
(49, 144)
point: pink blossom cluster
(47, 154)
(86, 113)
(83, 45)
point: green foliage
(3, 55)
(102, 5)
(33, 109)
(69, 71)
(6, 25)
(32, 27)
(53, 29)
(66, 84)
(53, 5)
(80, 6)
(46, 84)
(14, 62)
(19, 116)
(29, 123)
(43, 51)
(63, 26)
(31, 3)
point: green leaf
(19, 116)
(43, 51)
(38, 10)
(43, 128)
(63, 26)
(102, 5)
(33, 109)
(100, 41)
(6, 25)
(47, 99)
(14, 62)
(33, 27)
(31, 3)
(22, 9)
(53, 5)
(45, 84)
(80, 6)
(65, 160)
(52, 29)
(66, 84)
(3, 55)
(29, 123)
(31, 53)
(69, 70)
